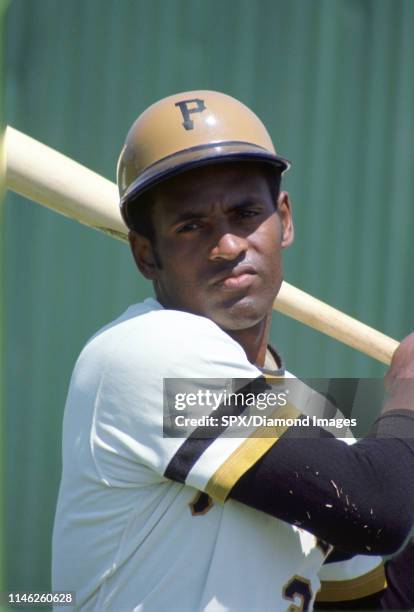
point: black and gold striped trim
(355, 588)
(247, 454)
(197, 443)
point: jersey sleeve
(350, 580)
(127, 440)
(351, 584)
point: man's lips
(239, 277)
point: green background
(3, 7)
(333, 82)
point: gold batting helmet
(188, 130)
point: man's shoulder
(150, 321)
(148, 333)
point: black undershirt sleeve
(359, 498)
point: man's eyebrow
(245, 203)
(188, 215)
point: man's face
(218, 239)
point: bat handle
(313, 312)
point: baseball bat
(40, 173)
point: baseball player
(147, 521)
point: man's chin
(240, 314)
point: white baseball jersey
(126, 537)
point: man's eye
(247, 212)
(189, 227)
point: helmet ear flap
(185, 131)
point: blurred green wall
(3, 8)
(334, 82)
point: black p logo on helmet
(186, 111)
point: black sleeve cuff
(394, 424)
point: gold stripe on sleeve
(355, 588)
(248, 453)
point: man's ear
(284, 209)
(143, 253)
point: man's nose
(228, 246)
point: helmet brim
(195, 157)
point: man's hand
(399, 379)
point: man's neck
(254, 340)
